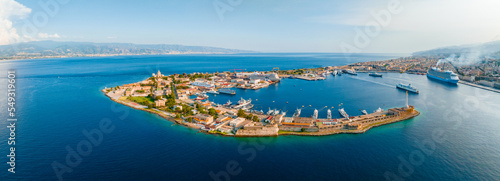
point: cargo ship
(407, 88)
(445, 76)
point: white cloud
(48, 36)
(11, 11)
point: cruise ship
(407, 88)
(445, 76)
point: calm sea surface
(456, 137)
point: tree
(212, 112)
(241, 113)
(190, 119)
(256, 119)
(303, 129)
(249, 117)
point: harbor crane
(241, 72)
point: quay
(479, 86)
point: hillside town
(485, 73)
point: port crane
(241, 72)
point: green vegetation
(146, 101)
(241, 113)
(217, 132)
(213, 113)
(256, 119)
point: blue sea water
(59, 98)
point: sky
(362, 26)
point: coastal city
(183, 99)
(485, 73)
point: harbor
(196, 104)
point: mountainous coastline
(53, 49)
(489, 49)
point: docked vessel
(379, 110)
(343, 113)
(329, 114)
(297, 113)
(364, 112)
(244, 104)
(213, 92)
(445, 76)
(315, 114)
(335, 72)
(407, 88)
(227, 91)
(352, 72)
(228, 103)
(375, 74)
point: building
(271, 76)
(160, 102)
(203, 118)
(157, 75)
(237, 123)
(203, 84)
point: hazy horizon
(397, 26)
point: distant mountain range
(490, 49)
(47, 49)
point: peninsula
(182, 98)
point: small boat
(407, 88)
(379, 110)
(364, 112)
(375, 74)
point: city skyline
(278, 26)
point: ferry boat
(445, 76)
(297, 113)
(407, 88)
(352, 72)
(375, 74)
(227, 91)
(343, 113)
